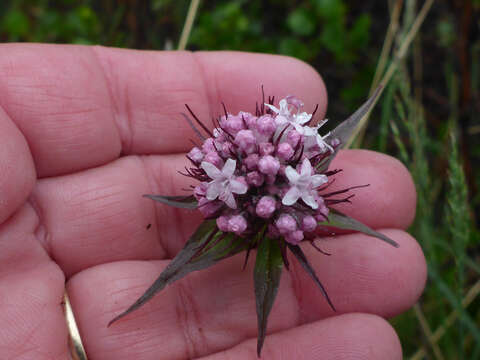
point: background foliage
(428, 115)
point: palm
(77, 127)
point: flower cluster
(263, 183)
(262, 170)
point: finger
(213, 310)
(16, 167)
(388, 201)
(346, 337)
(80, 107)
(33, 325)
(99, 215)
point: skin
(85, 131)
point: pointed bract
(204, 248)
(345, 129)
(184, 202)
(341, 221)
(302, 259)
(266, 277)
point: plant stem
(359, 131)
(187, 27)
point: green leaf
(331, 10)
(184, 202)
(346, 128)
(341, 221)
(302, 259)
(266, 277)
(360, 32)
(293, 47)
(300, 22)
(204, 248)
(15, 23)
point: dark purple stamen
(198, 121)
(315, 246)
(301, 154)
(198, 133)
(277, 140)
(338, 201)
(344, 190)
(263, 101)
(225, 110)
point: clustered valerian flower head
(262, 178)
(262, 170)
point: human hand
(85, 131)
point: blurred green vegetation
(427, 117)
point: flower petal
(299, 128)
(309, 200)
(211, 170)
(306, 167)
(229, 199)
(292, 175)
(303, 118)
(273, 108)
(280, 120)
(309, 131)
(284, 107)
(291, 196)
(318, 180)
(322, 143)
(229, 168)
(238, 187)
(213, 190)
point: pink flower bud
(234, 124)
(266, 207)
(266, 125)
(219, 135)
(209, 208)
(286, 224)
(266, 148)
(223, 121)
(322, 211)
(246, 141)
(242, 180)
(269, 165)
(196, 155)
(228, 149)
(293, 138)
(309, 223)
(213, 158)
(249, 119)
(285, 151)
(237, 224)
(294, 237)
(200, 190)
(251, 161)
(222, 223)
(255, 178)
(208, 146)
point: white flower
(283, 113)
(303, 185)
(285, 117)
(314, 138)
(223, 184)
